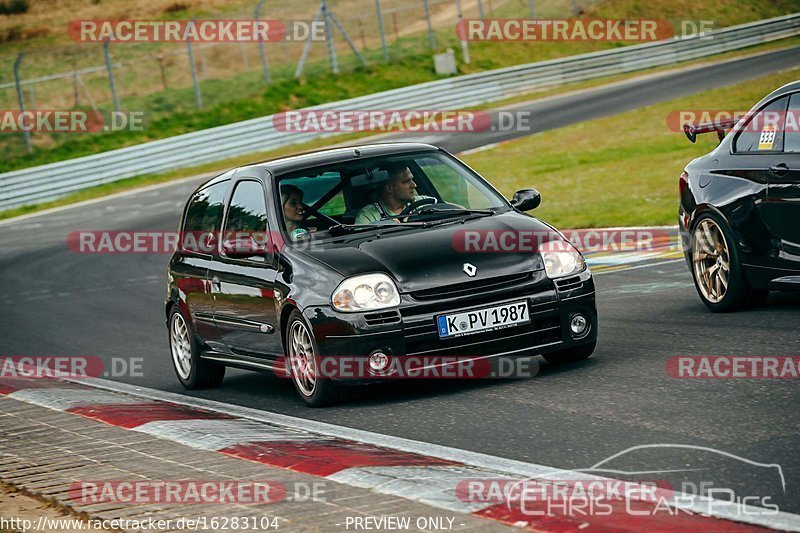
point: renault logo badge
(470, 269)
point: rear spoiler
(719, 126)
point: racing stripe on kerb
(429, 480)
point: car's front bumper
(410, 331)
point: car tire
(717, 270)
(302, 359)
(193, 371)
(579, 353)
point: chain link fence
(158, 77)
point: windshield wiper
(455, 210)
(344, 229)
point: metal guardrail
(48, 182)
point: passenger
(292, 204)
(397, 193)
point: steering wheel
(416, 205)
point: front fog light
(378, 361)
(578, 325)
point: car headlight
(365, 293)
(561, 259)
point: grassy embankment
(620, 170)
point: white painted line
(495, 465)
(481, 148)
(638, 266)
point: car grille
(472, 287)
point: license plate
(487, 319)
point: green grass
(620, 170)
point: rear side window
(248, 210)
(764, 130)
(204, 213)
(791, 137)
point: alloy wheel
(711, 260)
(180, 346)
(302, 363)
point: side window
(316, 187)
(247, 214)
(204, 217)
(764, 130)
(791, 139)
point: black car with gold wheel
(740, 205)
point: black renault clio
(367, 253)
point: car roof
(324, 156)
(790, 87)
(338, 155)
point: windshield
(412, 190)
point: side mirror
(526, 199)
(243, 247)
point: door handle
(779, 170)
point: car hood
(420, 259)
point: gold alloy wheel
(301, 359)
(711, 260)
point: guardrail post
(431, 34)
(379, 14)
(110, 68)
(464, 45)
(261, 47)
(21, 99)
(197, 95)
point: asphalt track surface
(56, 302)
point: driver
(397, 193)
